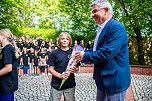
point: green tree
(78, 17)
(51, 17)
(9, 15)
(136, 16)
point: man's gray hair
(103, 4)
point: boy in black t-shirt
(58, 61)
(8, 66)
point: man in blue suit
(109, 54)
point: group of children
(33, 56)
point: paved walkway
(37, 88)
(142, 87)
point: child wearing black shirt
(20, 44)
(27, 44)
(25, 57)
(58, 61)
(47, 57)
(42, 62)
(36, 59)
(31, 61)
(8, 66)
(35, 46)
(40, 40)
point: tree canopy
(50, 17)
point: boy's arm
(64, 75)
(54, 73)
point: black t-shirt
(25, 57)
(48, 54)
(35, 47)
(46, 45)
(9, 81)
(27, 45)
(31, 44)
(20, 45)
(42, 46)
(59, 60)
(39, 42)
(31, 56)
(42, 55)
(36, 57)
(89, 46)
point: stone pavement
(142, 87)
(37, 88)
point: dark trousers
(42, 69)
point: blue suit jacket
(111, 59)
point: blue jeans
(110, 97)
(25, 69)
(7, 97)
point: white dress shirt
(99, 30)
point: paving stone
(37, 88)
(142, 87)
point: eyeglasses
(96, 10)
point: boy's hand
(65, 75)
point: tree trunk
(139, 39)
(136, 28)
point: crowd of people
(34, 54)
(109, 55)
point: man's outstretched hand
(79, 55)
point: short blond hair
(7, 33)
(69, 37)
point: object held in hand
(72, 63)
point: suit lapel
(104, 30)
